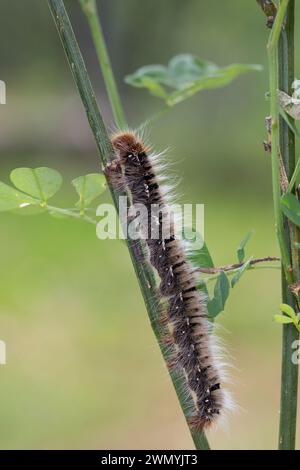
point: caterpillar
(189, 331)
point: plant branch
(234, 266)
(144, 272)
(70, 213)
(273, 83)
(289, 370)
(281, 75)
(231, 273)
(89, 8)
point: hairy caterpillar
(190, 333)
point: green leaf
(150, 77)
(42, 183)
(221, 292)
(241, 247)
(202, 258)
(220, 78)
(291, 208)
(290, 122)
(290, 316)
(185, 69)
(89, 187)
(11, 198)
(282, 319)
(186, 74)
(289, 311)
(240, 272)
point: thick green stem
(142, 268)
(289, 370)
(89, 7)
(273, 83)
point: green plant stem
(89, 7)
(289, 371)
(144, 272)
(70, 213)
(230, 267)
(235, 270)
(273, 83)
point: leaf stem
(230, 267)
(233, 271)
(71, 213)
(89, 8)
(143, 270)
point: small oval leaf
(282, 319)
(288, 310)
(41, 183)
(11, 198)
(89, 187)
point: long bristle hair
(193, 348)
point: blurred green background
(83, 369)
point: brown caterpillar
(190, 333)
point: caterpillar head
(127, 143)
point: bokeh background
(83, 369)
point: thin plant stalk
(272, 48)
(213, 277)
(144, 272)
(280, 58)
(70, 213)
(289, 370)
(89, 8)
